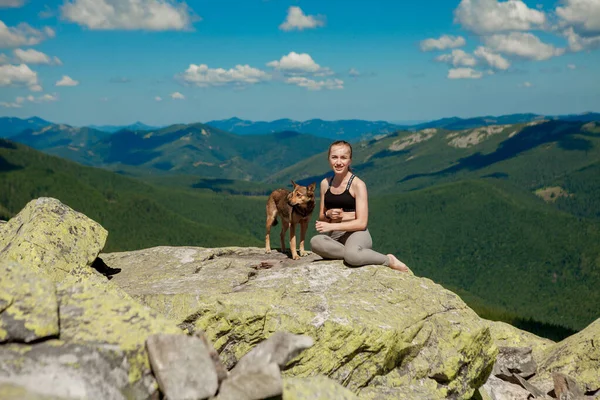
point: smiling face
(340, 158)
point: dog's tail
(274, 221)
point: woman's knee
(353, 257)
(317, 243)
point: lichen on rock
(52, 237)
(374, 329)
(28, 304)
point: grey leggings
(352, 247)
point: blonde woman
(343, 216)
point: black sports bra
(343, 200)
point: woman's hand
(323, 226)
(335, 214)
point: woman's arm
(322, 210)
(359, 223)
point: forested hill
(137, 215)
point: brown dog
(293, 207)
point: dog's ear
(295, 184)
(311, 187)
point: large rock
(577, 357)
(58, 370)
(379, 332)
(49, 235)
(99, 315)
(28, 305)
(506, 335)
(48, 288)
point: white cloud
(18, 103)
(493, 60)
(526, 84)
(295, 64)
(10, 105)
(66, 81)
(312, 84)
(31, 56)
(458, 58)
(443, 43)
(12, 3)
(19, 75)
(582, 15)
(177, 96)
(203, 76)
(522, 44)
(22, 35)
(4, 59)
(158, 98)
(579, 43)
(353, 72)
(571, 66)
(152, 15)
(36, 88)
(489, 16)
(45, 98)
(464, 73)
(296, 19)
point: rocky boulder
(378, 332)
(576, 357)
(49, 235)
(73, 333)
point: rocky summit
(236, 323)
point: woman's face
(339, 158)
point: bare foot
(397, 264)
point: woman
(343, 216)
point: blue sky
(117, 61)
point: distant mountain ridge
(136, 126)
(349, 130)
(10, 126)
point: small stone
(222, 372)
(262, 382)
(514, 360)
(182, 366)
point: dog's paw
(303, 253)
(268, 251)
(295, 257)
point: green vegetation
(137, 215)
(523, 257)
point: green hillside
(530, 155)
(137, 215)
(508, 249)
(194, 149)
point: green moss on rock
(315, 388)
(374, 328)
(52, 237)
(31, 309)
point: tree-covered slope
(135, 214)
(498, 243)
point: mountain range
(136, 126)
(349, 130)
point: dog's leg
(295, 255)
(303, 227)
(271, 215)
(284, 227)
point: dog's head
(302, 194)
